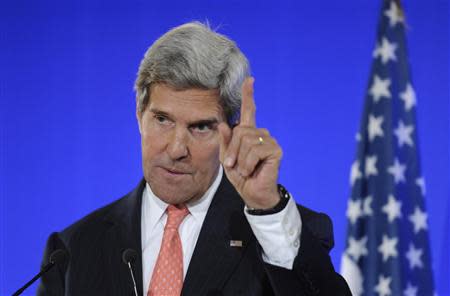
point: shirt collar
(198, 208)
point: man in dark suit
(240, 233)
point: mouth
(175, 172)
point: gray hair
(194, 56)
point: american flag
(387, 250)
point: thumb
(225, 133)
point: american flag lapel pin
(236, 243)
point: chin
(174, 191)
(174, 197)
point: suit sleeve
(52, 283)
(313, 272)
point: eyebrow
(160, 112)
(209, 122)
(212, 121)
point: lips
(173, 171)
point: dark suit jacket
(96, 242)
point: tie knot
(175, 215)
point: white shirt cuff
(278, 234)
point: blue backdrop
(69, 141)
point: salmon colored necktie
(167, 277)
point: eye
(161, 118)
(202, 127)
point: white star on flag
(394, 14)
(421, 183)
(413, 256)
(374, 127)
(386, 51)
(353, 210)
(380, 88)
(367, 206)
(410, 290)
(409, 97)
(371, 166)
(383, 288)
(357, 248)
(388, 247)
(355, 173)
(398, 171)
(392, 208)
(419, 220)
(403, 133)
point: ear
(138, 117)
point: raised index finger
(248, 103)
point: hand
(250, 156)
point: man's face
(180, 142)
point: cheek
(207, 156)
(151, 144)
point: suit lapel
(125, 232)
(214, 259)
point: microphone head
(58, 256)
(129, 255)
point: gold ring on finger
(261, 140)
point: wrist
(282, 197)
(265, 201)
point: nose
(177, 148)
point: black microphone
(128, 257)
(58, 257)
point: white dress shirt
(278, 234)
